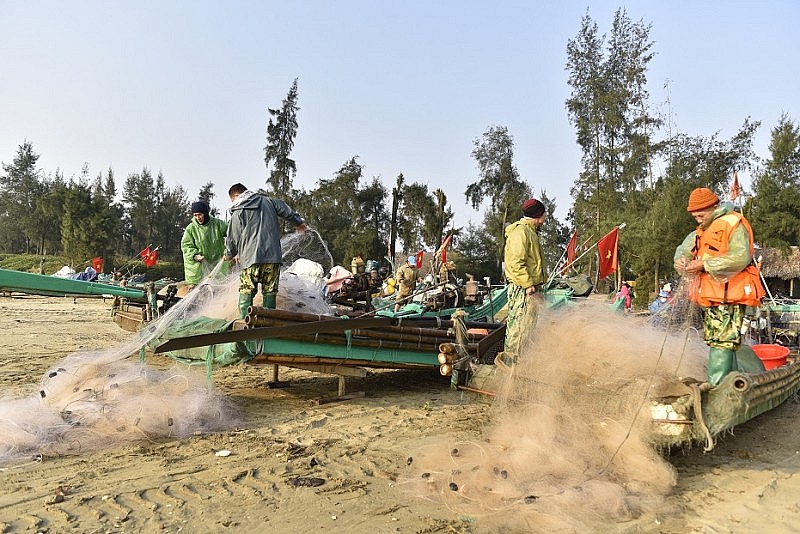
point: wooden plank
(340, 370)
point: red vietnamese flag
(149, 257)
(572, 252)
(607, 254)
(419, 256)
(97, 264)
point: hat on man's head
(199, 207)
(702, 198)
(532, 208)
(412, 260)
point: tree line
(634, 169)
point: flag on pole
(572, 252)
(735, 190)
(149, 257)
(607, 253)
(419, 257)
(97, 264)
(441, 253)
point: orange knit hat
(702, 198)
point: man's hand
(695, 266)
(531, 290)
(199, 257)
(301, 228)
(685, 266)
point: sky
(183, 87)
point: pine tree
(280, 142)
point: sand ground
(360, 448)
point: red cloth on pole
(607, 253)
(97, 264)
(735, 190)
(445, 243)
(419, 256)
(149, 257)
(572, 252)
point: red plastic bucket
(771, 356)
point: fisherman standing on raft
(718, 256)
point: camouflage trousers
(722, 325)
(523, 310)
(266, 274)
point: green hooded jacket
(207, 240)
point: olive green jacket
(524, 260)
(727, 265)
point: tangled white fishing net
(568, 447)
(100, 398)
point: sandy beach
(298, 465)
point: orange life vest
(742, 288)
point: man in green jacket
(202, 244)
(524, 271)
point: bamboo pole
(410, 337)
(403, 333)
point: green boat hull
(38, 284)
(737, 399)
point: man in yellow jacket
(718, 258)
(524, 271)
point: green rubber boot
(245, 301)
(720, 363)
(270, 301)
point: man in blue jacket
(254, 241)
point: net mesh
(568, 445)
(95, 399)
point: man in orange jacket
(718, 256)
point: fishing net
(96, 399)
(568, 446)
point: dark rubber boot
(270, 300)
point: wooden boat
(131, 308)
(38, 284)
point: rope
(697, 404)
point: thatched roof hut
(779, 264)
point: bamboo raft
(410, 343)
(737, 399)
